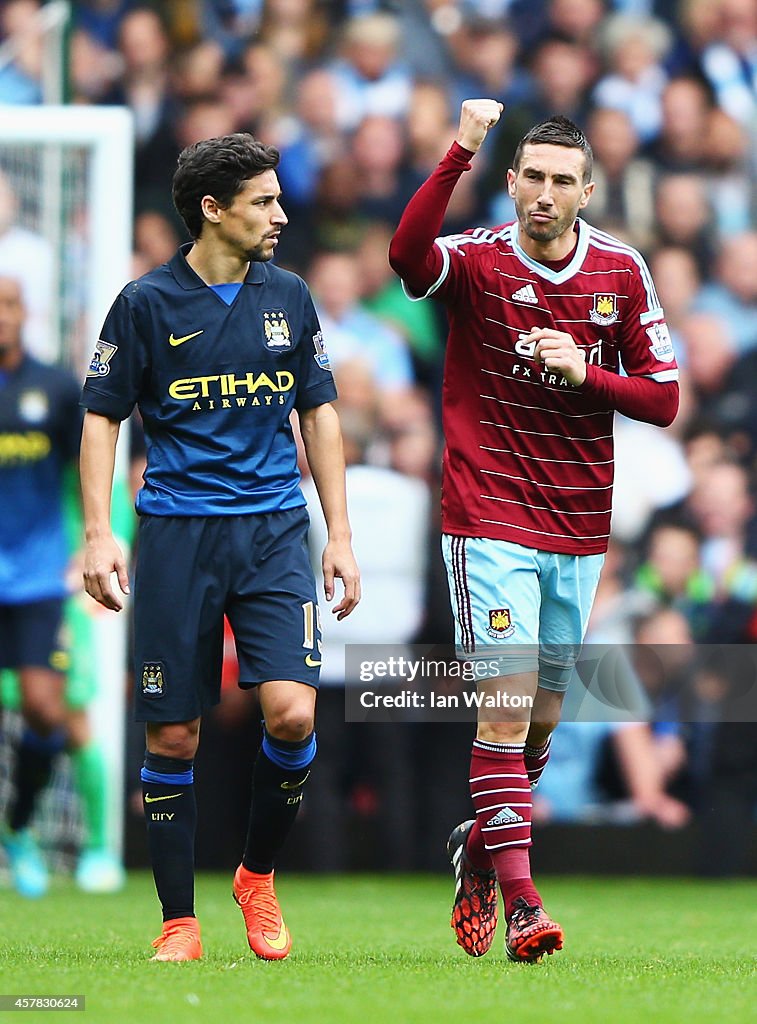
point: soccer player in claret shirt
(543, 312)
(217, 348)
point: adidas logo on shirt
(526, 294)
(506, 816)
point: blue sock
(280, 773)
(171, 817)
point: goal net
(65, 233)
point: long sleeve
(640, 398)
(412, 252)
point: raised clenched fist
(476, 118)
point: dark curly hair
(557, 131)
(217, 167)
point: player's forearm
(412, 252)
(322, 437)
(96, 464)
(639, 398)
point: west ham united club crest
(500, 623)
(278, 334)
(153, 680)
(99, 364)
(605, 309)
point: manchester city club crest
(99, 363)
(153, 680)
(278, 334)
(500, 623)
(33, 406)
(605, 309)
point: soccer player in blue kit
(217, 348)
(40, 424)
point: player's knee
(502, 732)
(173, 739)
(292, 723)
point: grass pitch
(378, 950)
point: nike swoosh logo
(281, 939)
(154, 799)
(311, 662)
(296, 785)
(180, 341)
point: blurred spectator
(230, 22)
(430, 128)
(732, 295)
(331, 222)
(369, 77)
(197, 71)
(485, 52)
(729, 62)
(709, 356)
(677, 280)
(683, 216)
(20, 32)
(634, 48)
(101, 19)
(383, 295)
(203, 119)
(563, 72)
(729, 182)
(309, 140)
(672, 574)
(93, 69)
(352, 331)
(385, 182)
(28, 257)
(296, 30)
(623, 201)
(681, 144)
(145, 87)
(577, 20)
(155, 241)
(651, 474)
(723, 508)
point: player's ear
(588, 189)
(511, 182)
(211, 209)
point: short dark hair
(557, 131)
(217, 167)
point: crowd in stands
(362, 98)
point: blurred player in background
(217, 348)
(542, 313)
(40, 426)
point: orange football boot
(179, 940)
(267, 934)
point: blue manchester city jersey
(40, 429)
(215, 384)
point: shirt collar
(188, 279)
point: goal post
(70, 169)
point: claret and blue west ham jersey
(529, 457)
(40, 429)
(215, 384)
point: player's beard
(261, 253)
(548, 232)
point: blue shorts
(30, 635)
(522, 609)
(191, 571)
